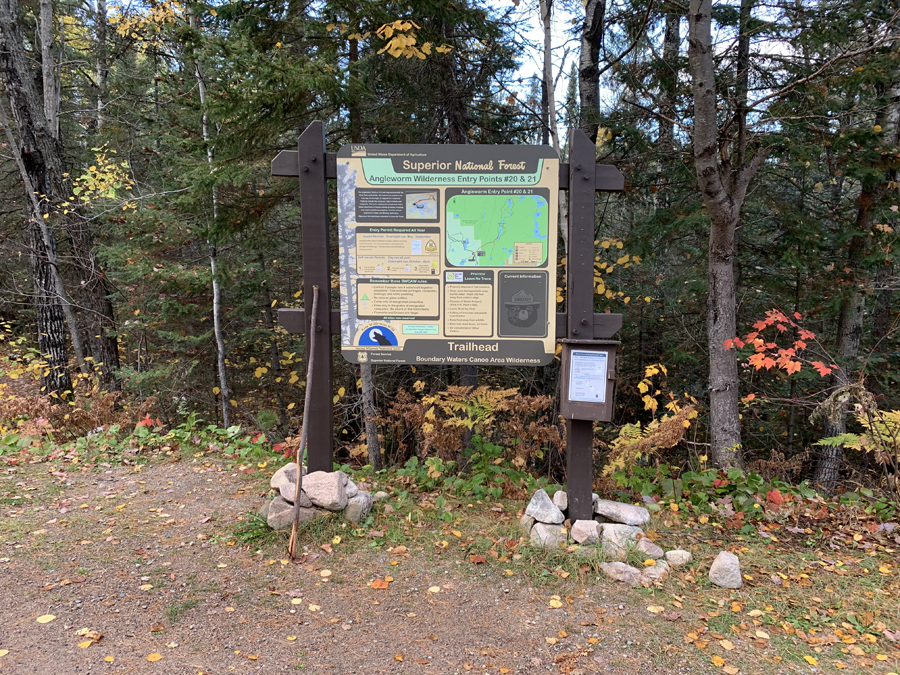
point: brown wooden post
(319, 417)
(580, 311)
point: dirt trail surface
(148, 559)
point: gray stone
(726, 571)
(351, 489)
(543, 510)
(526, 522)
(586, 532)
(281, 514)
(617, 512)
(649, 549)
(619, 571)
(326, 489)
(548, 535)
(286, 474)
(264, 509)
(358, 506)
(617, 539)
(381, 494)
(657, 572)
(678, 557)
(288, 490)
(561, 500)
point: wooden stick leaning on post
(311, 336)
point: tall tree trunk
(55, 379)
(48, 69)
(724, 188)
(850, 322)
(214, 252)
(589, 67)
(102, 74)
(42, 155)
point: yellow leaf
(341, 391)
(810, 660)
(146, 587)
(718, 661)
(46, 618)
(296, 601)
(551, 640)
(656, 609)
(216, 390)
(398, 657)
(108, 659)
(434, 589)
(336, 540)
(649, 562)
(213, 12)
(85, 644)
(291, 406)
(762, 635)
(314, 608)
(731, 670)
(253, 657)
(727, 645)
(736, 607)
(4, 652)
(274, 302)
(555, 604)
(291, 638)
(154, 657)
(325, 574)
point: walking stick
(292, 545)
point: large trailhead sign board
(448, 253)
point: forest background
(146, 248)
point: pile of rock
(616, 529)
(321, 492)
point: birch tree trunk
(102, 74)
(589, 67)
(214, 255)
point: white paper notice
(587, 376)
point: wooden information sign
(389, 293)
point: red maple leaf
(800, 344)
(792, 367)
(822, 369)
(760, 325)
(752, 336)
(768, 362)
(757, 360)
(807, 335)
(774, 496)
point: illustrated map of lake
(421, 205)
(497, 230)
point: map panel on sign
(421, 205)
(497, 230)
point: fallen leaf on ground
(4, 652)
(109, 659)
(154, 657)
(434, 589)
(398, 657)
(727, 645)
(296, 601)
(810, 660)
(146, 587)
(46, 618)
(656, 609)
(291, 638)
(379, 583)
(477, 559)
(85, 644)
(314, 608)
(325, 574)
(718, 661)
(731, 670)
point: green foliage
(489, 476)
